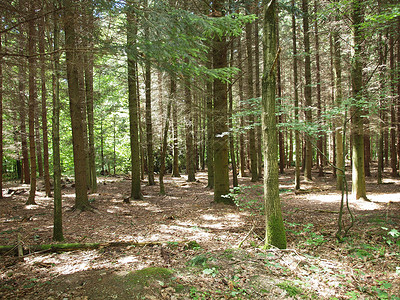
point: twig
(247, 235)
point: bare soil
(206, 251)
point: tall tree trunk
(241, 107)
(296, 103)
(281, 141)
(358, 175)
(307, 90)
(88, 57)
(230, 121)
(133, 102)
(1, 116)
(258, 91)
(76, 106)
(32, 100)
(210, 130)
(398, 89)
(320, 152)
(57, 215)
(175, 168)
(382, 97)
(44, 109)
(149, 125)
(338, 123)
(189, 132)
(393, 154)
(165, 137)
(221, 160)
(250, 95)
(274, 228)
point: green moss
(192, 245)
(145, 277)
(290, 288)
(275, 232)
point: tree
(57, 227)
(221, 171)
(76, 106)
(296, 102)
(307, 90)
(1, 117)
(358, 174)
(43, 67)
(32, 101)
(274, 228)
(250, 95)
(133, 102)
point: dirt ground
(183, 246)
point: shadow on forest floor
(315, 265)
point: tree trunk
(210, 131)
(189, 133)
(89, 100)
(57, 215)
(165, 137)
(231, 135)
(320, 152)
(393, 154)
(149, 125)
(258, 91)
(338, 123)
(250, 95)
(32, 100)
(358, 175)
(76, 107)
(175, 168)
(1, 116)
(281, 141)
(307, 90)
(46, 171)
(274, 228)
(221, 160)
(133, 103)
(296, 104)
(242, 152)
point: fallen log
(13, 249)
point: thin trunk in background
(230, 121)
(44, 109)
(393, 154)
(1, 116)
(242, 153)
(281, 141)
(307, 91)
(296, 103)
(250, 95)
(210, 129)
(175, 167)
(258, 91)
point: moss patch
(148, 276)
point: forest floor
(205, 251)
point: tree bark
(57, 215)
(76, 106)
(46, 171)
(358, 175)
(393, 154)
(250, 95)
(231, 135)
(32, 101)
(210, 130)
(175, 168)
(88, 57)
(307, 90)
(189, 133)
(1, 116)
(221, 160)
(242, 152)
(133, 103)
(274, 228)
(296, 104)
(258, 91)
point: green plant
(290, 288)
(382, 289)
(192, 245)
(393, 236)
(211, 271)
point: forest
(226, 149)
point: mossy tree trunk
(133, 100)
(1, 116)
(358, 174)
(274, 228)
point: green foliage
(290, 288)
(192, 245)
(199, 260)
(144, 276)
